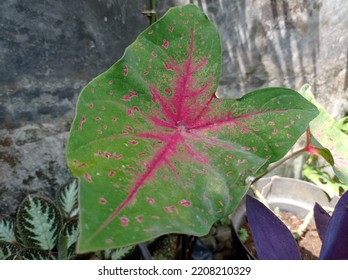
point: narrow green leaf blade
(67, 197)
(70, 233)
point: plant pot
(286, 194)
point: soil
(309, 243)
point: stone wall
(50, 49)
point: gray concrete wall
(50, 49)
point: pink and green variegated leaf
(157, 152)
(325, 133)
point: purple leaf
(335, 244)
(273, 240)
(321, 218)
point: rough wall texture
(50, 49)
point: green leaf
(6, 229)
(38, 222)
(324, 181)
(156, 150)
(324, 130)
(117, 254)
(7, 249)
(69, 233)
(35, 254)
(342, 125)
(68, 198)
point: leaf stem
(280, 162)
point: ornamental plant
(46, 229)
(156, 149)
(274, 241)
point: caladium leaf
(335, 243)
(272, 239)
(157, 151)
(321, 218)
(324, 131)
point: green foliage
(67, 199)
(47, 230)
(38, 223)
(243, 234)
(157, 151)
(328, 183)
(330, 135)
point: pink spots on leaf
(98, 118)
(288, 135)
(125, 71)
(128, 97)
(171, 209)
(111, 92)
(266, 148)
(108, 241)
(129, 128)
(271, 123)
(254, 149)
(88, 177)
(83, 120)
(91, 105)
(277, 145)
(112, 174)
(133, 142)
(171, 28)
(150, 200)
(275, 131)
(186, 21)
(102, 200)
(124, 221)
(246, 148)
(99, 131)
(130, 112)
(114, 119)
(168, 66)
(168, 91)
(146, 72)
(256, 129)
(156, 217)
(139, 219)
(244, 130)
(287, 126)
(165, 44)
(110, 82)
(292, 121)
(154, 54)
(141, 154)
(185, 203)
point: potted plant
(274, 241)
